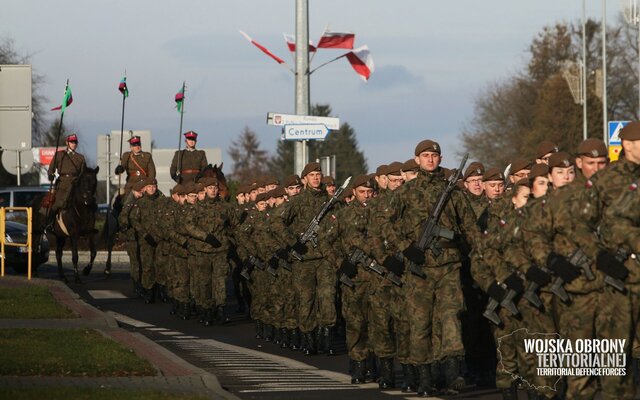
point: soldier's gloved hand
(210, 239)
(537, 275)
(300, 248)
(515, 283)
(496, 292)
(51, 177)
(348, 268)
(283, 254)
(119, 169)
(611, 266)
(414, 254)
(394, 265)
(562, 268)
(149, 239)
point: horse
(77, 220)
(216, 172)
(108, 234)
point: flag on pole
(264, 49)
(291, 43)
(122, 87)
(66, 101)
(361, 61)
(180, 98)
(336, 40)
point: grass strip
(66, 352)
(30, 302)
(80, 393)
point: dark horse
(77, 220)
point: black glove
(51, 177)
(394, 265)
(611, 266)
(149, 239)
(283, 254)
(119, 169)
(273, 262)
(496, 291)
(348, 268)
(537, 275)
(414, 254)
(300, 248)
(246, 264)
(514, 282)
(210, 239)
(562, 268)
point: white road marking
(106, 294)
(129, 321)
(171, 333)
(157, 329)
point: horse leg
(107, 267)
(59, 246)
(92, 250)
(74, 258)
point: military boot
(357, 372)
(284, 338)
(185, 310)
(371, 372)
(150, 295)
(200, 314)
(533, 394)
(277, 335)
(327, 340)
(311, 346)
(511, 393)
(409, 380)
(453, 380)
(425, 385)
(174, 307)
(320, 339)
(208, 317)
(222, 316)
(268, 332)
(386, 379)
(294, 339)
(259, 329)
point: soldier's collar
(190, 149)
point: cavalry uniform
(187, 163)
(138, 165)
(69, 165)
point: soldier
(138, 164)
(68, 164)
(329, 185)
(129, 213)
(544, 151)
(520, 169)
(292, 185)
(188, 163)
(539, 180)
(270, 183)
(410, 170)
(493, 182)
(381, 177)
(186, 196)
(394, 176)
(472, 180)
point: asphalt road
(250, 368)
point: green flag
(180, 99)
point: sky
(432, 59)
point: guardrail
(3, 235)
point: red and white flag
(291, 43)
(361, 61)
(264, 49)
(336, 40)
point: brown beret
(328, 180)
(394, 168)
(311, 167)
(519, 164)
(262, 197)
(270, 180)
(361, 180)
(493, 174)
(410, 165)
(209, 181)
(190, 187)
(292, 180)
(631, 131)
(593, 148)
(561, 159)
(546, 147)
(278, 192)
(199, 187)
(381, 170)
(427, 145)
(538, 170)
(140, 185)
(476, 168)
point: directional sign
(614, 131)
(305, 132)
(289, 119)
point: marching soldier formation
(433, 269)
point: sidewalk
(173, 373)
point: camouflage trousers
(315, 284)
(434, 306)
(163, 252)
(600, 314)
(134, 261)
(381, 327)
(285, 300)
(260, 302)
(355, 310)
(179, 278)
(401, 328)
(208, 275)
(634, 294)
(147, 264)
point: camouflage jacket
(210, 216)
(130, 212)
(146, 224)
(478, 203)
(243, 233)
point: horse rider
(188, 163)
(138, 164)
(68, 165)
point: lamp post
(605, 133)
(583, 74)
(301, 155)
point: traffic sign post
(614, 131)
(279, 119)
(305, 132)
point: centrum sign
(305, 132)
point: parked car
(20, 196)
(18, 257)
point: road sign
(614, 152)
(614, 131)
(15, 107)
(289, 119)
(305, 132)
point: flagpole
(55, 154)
(328, 62)
(124, 98)
(179, 173)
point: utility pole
(605, 132)
(301, 155)
(584, 72)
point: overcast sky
(432, 59)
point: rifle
(432, 232)
(506, 303)
(621, 255)
(310, 234)
(579, 259)
(358, 256)
(557, 288)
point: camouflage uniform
(138, 167)
(190, 162)
(164, 209)
(130, 212)
(179, 275)
(146, 241)
(69, 165)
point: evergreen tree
(249, 161)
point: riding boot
(425, 388)
(208, 317)
(386, 380)
(327, 340)
(510, 393)
(409, 373)
(174, 307)
(268, 332)
(454, 381)
(294, 339)
(259, 329)
(357, 372)
(221, 316)
(311, 348)
(284, 338)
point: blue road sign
(614, 131)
